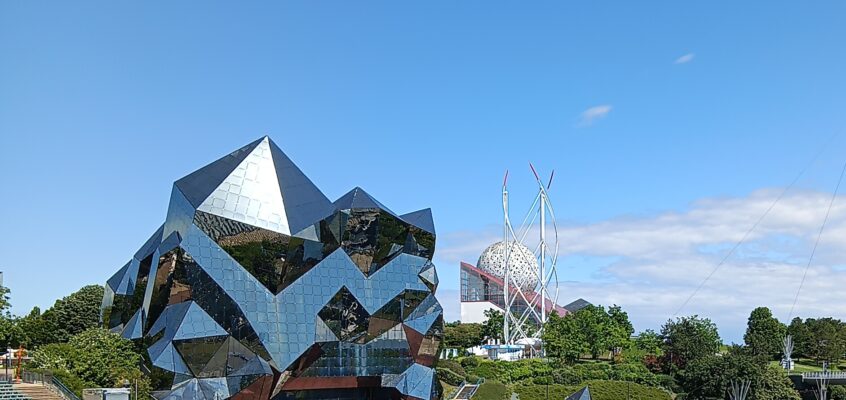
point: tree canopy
(492, 327)
(593, 330)
(764, 333)
(75, 313)
(98, 357)
(687, 339)
(463, 336)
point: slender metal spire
(739, 389)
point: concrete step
(466, 392)
(36, 391)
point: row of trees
(67, 340)
(592, 330)
(67, 317)
(686, 355)
(822, 339)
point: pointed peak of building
(305, 204)
(359, 198)
(198, 185)
(421, 219)
(583, 394)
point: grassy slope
(600, 390)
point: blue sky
(646, 110)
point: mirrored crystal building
(257, 286)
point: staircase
(467, 391)
(9, 393)
(36, 391)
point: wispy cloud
(685, 59)
(592, 114)
(659, 260)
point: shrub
(599, 390)
(669, 383)
(448, 376)
(511, 372)
(566, 375)
(837, 393)
(52, 357)
(470, 362)
(453, 366)
(492, 390)
(542, 380)
(72, 382)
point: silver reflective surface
(258, 286)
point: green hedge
(453, 366)
(72, 382)
(511, 371)
(492, 390)
(449, 376)
(599, 390)
(541, 372)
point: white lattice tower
(538, 290)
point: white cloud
(659, 260)
(594, 113)
(685, 59)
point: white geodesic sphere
(523, 265)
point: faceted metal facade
(257, 286)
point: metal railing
(50, 382)
(62, 389)
(824, 375)
(455, 390)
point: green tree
(463, 336)
(709, 377)
(10, 333)
(564, 339)
(687, 339)
(801, 337)
(649, 342)
(492, 327)
(53, 356)
(75, 313)
(621, 329)
(772, 384)
(97, 357)
(597, 329)
(36, 330)
(4, 301)
(764, 333)
(827, 339)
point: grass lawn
(807, 365)
(449, 390)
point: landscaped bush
(511, 372)
(566, 375)
(578, 373)
(449, 376)
(70, 381)
(453, 366)
(492, 390)
(470, 362)
(667, 382)
(599, 390)
(837, 393)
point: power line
(755, 225)
(817, 242)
